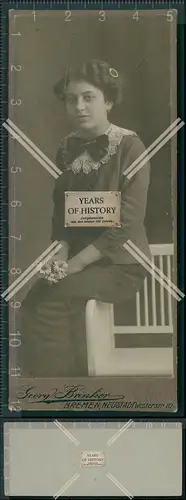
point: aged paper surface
(143, 460)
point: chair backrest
(153, 315)
(154, 302)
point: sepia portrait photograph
(92, 132)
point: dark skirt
(53, 317)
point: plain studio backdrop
(143, 51)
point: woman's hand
(87, 256)
(75, 265)
(51, 271)
(62, 254)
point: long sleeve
(133, 207)
(59, 231)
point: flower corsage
(54, 271)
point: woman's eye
(73, 100)
(88, 98)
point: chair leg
(99, 332)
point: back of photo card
(93, 139)
(94, 459)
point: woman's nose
(80, 104)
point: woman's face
(86, 106)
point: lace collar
(84, 163)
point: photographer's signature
(73, 393)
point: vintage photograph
(93, 132)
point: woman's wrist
(64, 244)
(89, 255)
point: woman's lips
(82, 117)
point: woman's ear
(109, 106)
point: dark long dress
(53, 317)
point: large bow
(97, 148)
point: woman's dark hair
(99, 74)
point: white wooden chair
(154, 315)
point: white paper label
(92, 208)
(92, 459)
